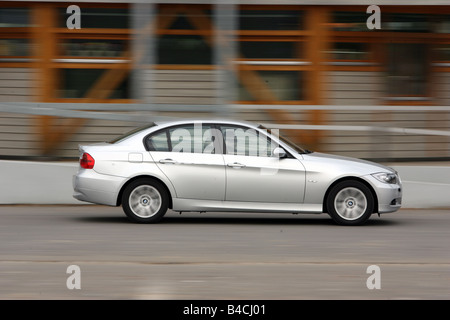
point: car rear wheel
(145, 201)
(350, 203)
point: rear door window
(158, 142)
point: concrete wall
(424, 185)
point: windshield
(285, 140)
(130, 133)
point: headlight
(385, 177)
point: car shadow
(301, 219)
(103, 219)
(314, 220)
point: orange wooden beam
(317, 22)
(44, 48)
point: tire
(350, 203)
(145, 201)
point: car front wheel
(350, 203)
(145, 201)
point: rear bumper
(92, 187)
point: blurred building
(217, 54)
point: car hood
(352, 162)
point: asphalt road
(220, 255)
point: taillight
(86, 161)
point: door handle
(236, 165)
(170, 161)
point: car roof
(167, 123)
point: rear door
(191, 159)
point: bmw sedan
(208, 166)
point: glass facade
(349, 21)
(275, 47)
(349, 51)
(77, 83)
(14, 17)
(407, 72)
(270, 49)
(15, 47)
(183, 49)
(99, 18)
(282, 85)
(92, 47)
(270, 20)
(408, 22)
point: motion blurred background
(315, 71)
(309, 67)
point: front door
(253, 174)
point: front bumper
(93, 187)
(389, 195)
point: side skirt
(213, 205)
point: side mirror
(279, 152)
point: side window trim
(234, 126)
(215, 131)
(169, 141)
(219, 144)
(266, 135)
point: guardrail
(150, 112)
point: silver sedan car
(218, 165)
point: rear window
(130, 133)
